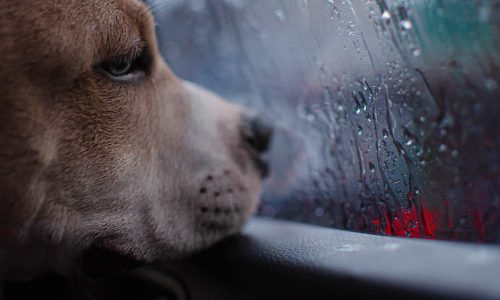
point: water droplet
(360, 130)
(490, 84)
(406, 24)
(385, 134)
(391, 246)
(408, 137)
(310, 118)
(386, 15)
(349, 247)
(454, 153)
(319, 211)
(371, 167)
(411, 224)
(280, 14)
(442, 148)
(417, 191)
(416, 52)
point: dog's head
(102, 147)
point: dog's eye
(117, 67)
(126, 68)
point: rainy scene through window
(386, 112)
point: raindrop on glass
(490, 84)
(280, 14)
(319, 211)
(386, 15)
(406, 25)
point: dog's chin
(100, 262)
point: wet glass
(387, 112)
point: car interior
(385, 165)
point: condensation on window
(387, 112)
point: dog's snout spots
(220, 206)
(213, 183)
(218, 210)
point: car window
(386, 112)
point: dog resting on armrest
(104, 151)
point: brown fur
(152, 169)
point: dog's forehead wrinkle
(121, 34)
(81, 32)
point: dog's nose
(256, 134)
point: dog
(104, 152)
